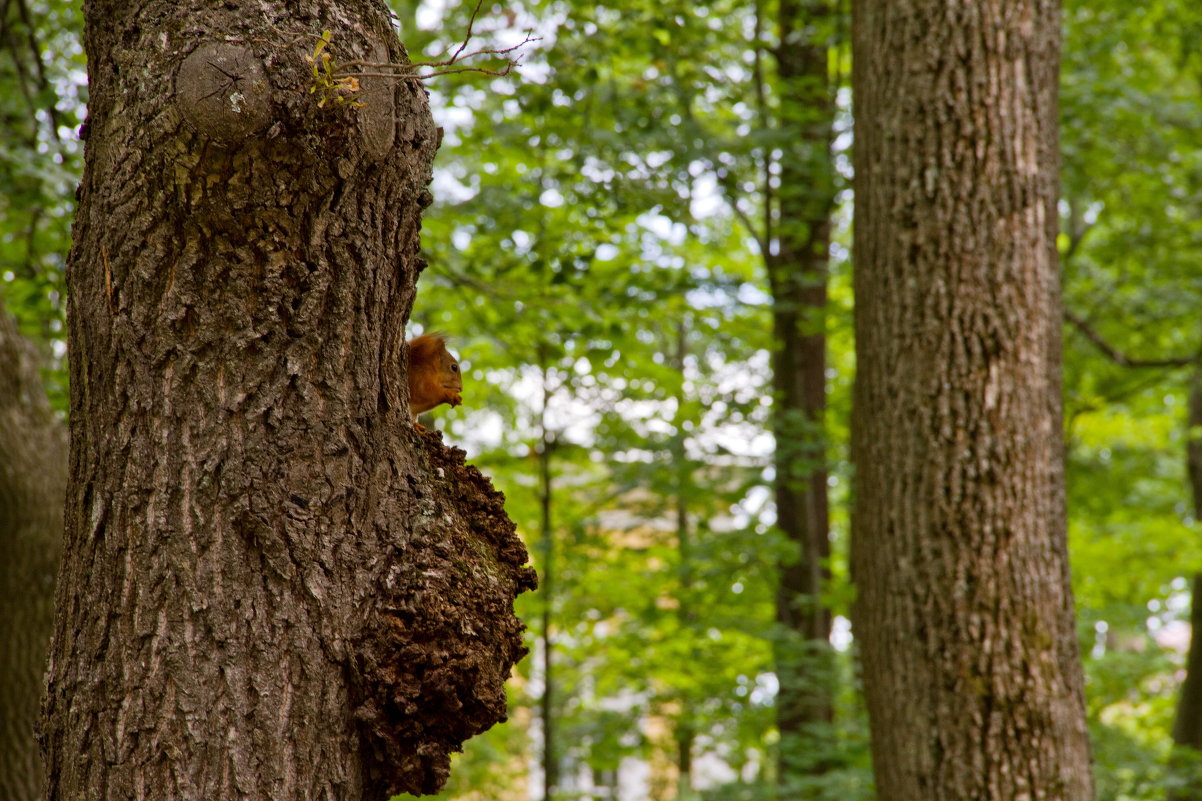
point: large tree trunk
(33, 473)
(964, 609)
(1187, 725)
(798, 276)
(272, 587)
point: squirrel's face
(450, 376)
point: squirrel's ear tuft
(430, 336)
(426, 347)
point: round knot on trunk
(223, 91)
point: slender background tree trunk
(964, 609)
(685, 731)
(797, 272)
(546, 499)
(33, 475)
(272, 587)
(1187, 725)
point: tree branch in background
(456, 57)
(510, 63)
(1116, 356)
(761, 105)
(761, 239)
(35, 49)
(1077, 229)
(726, 182)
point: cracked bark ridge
(433, 659)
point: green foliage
(327, 84)
(1131, 105)
(606, 151)
(584, 250)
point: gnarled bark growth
(273, 587)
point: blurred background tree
(41, 85)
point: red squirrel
(434, 376)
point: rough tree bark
(33, 474)
(272, 587)
(964, 610)
(797, 272)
